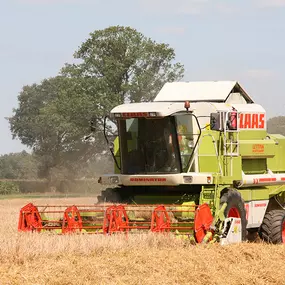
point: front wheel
(110, 195)
(235, 208)
(272, 229)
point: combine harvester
(197, 161)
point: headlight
(114, 179)
(152, 114)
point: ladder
(230, 139)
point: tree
(122, 65)
(52, 120)
(276, 125)
(18, 166)
(116, 65)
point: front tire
(235, 208)
(272, 229)
(115, 195)
(109, 195)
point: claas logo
(252, 121)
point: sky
(239, 40)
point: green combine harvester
(196, 162)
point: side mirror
(215, 122)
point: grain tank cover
(203, 91)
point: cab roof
(161, 109)
(201, 91)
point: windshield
(188, 132)
(149, 145)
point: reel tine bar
(72, 221)
(29, 219)
(194, 220)
(160, 221)
(115, 220)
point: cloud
(260, 73)
(270, 3)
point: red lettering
(147, 179)
(254, 121)
(267, 179)
(258, 148)
(247, 121)
(261, 121)
(132, 115)
(241, 116)
(260, 205)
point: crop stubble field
(143, 259)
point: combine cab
(197, 161)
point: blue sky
(239, 40)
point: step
(231, 154)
